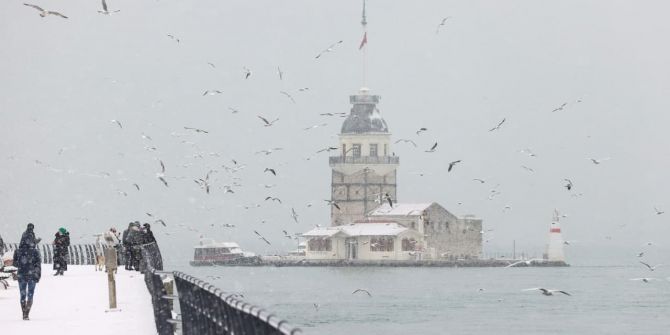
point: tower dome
(364, 116)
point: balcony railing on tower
(364, 160)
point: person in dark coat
(147, 234)
(135, 239)
(29, 264)
(2, 248)
(127, 247)
(61, 245)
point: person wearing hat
(28, 262)
(127, 247)
(61, 245)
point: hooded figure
(28, 262)
(61, 245)
(127, 247)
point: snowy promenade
(76, 303)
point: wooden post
(110, 267)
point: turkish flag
(364, 41)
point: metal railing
(364, 160)
(78, 254)
(204, 309)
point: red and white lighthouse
(555, 246)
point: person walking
(28, 262)
(127, 247)
(135, 239)
(61, 246)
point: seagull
(273, 199)
(547, 292)
(288, 95)
(137, 186)
(197, 130)
(481, 181)
(294, 215)
(329, 49)
(228, 225)
(421, 130)
(303, 89)
(117, 123)
(104, 9)
(163, 180)
(362, 290)
(651, 268)
(640, 254)
(432, 149)
(444, 21)
(387, 197)
(452, 164)
(598, 161)
(529, 152)
(527, 262)
(211, 92)
(271, 171)
(646, 280)
(44, 13)
(658, 212)
(498, 126)
(527, 168)
(173, 37)
(262, 238)
(327, 149)
(560, 108)
(569, 184)
(333, 203)
(280, 73)
(235, 111)
(161, 222)
(267, 123)
(334, 114)
(247, 73)
(268, 151)
(315, 126)
(212, 65)
(316, 306)
(406, 141)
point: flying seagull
(105, 11)
(294, 215)
(328, 149)
(196, 130)
(173, 37)
(421, 130)
(44, 13)
(316, 126)
(212, 92)
(288, 95)
(658, 212)
(569, 184)
(268, 151)
(212, 65)
(547, 292)
(161, 222)
(481, 181)
(498, 126)
(362, 290)
(262, 238)
(651, 268)
(387, 197)
(432, 149)
(444, 21)
(598, 161)
(117, 123)
(646, 280)
(527, 168)
(452, 164)
(406, 141)
(137, 186)
(280, 73)
(271, 171)
(560, 108)
(247, 73)
(333, 203)
(267, 123)
(329, 49)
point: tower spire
(364, 24)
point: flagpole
(364, 23)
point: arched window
(408, 244)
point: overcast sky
(64, 80)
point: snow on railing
(78, 254)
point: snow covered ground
(76, 303)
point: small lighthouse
(555, 246)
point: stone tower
(364, 171)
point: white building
(364, 241)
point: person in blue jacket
(28, 261)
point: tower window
(356, 150)
(373, 150)
(344, 150)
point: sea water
(454, 300)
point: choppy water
(448, 300)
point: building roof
(209, 243)
(406, 209)
(364, 116)
(359, 229)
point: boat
(209, 252)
